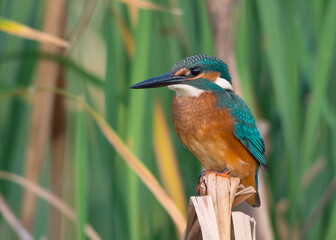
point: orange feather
(208, 132)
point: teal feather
(246, 129)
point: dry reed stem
(202, 222)
(222, 190)
(58, 134)
(213, 221)
(242, 194)
(47, 74)
(243, 226)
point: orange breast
(207, 131)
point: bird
(212, 121)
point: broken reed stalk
(209, 215)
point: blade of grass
(180, 29)
(135, 5)
(81, 173)
(20, 30)
(325, 54)
(136, 118)
(242, 57)
(151, 6)
(331, 230)
(143, 173)
(319, 208)
(84, 21)
(275, 50)
(117, 74)
(49, 197)
(205, 28)
(166, 159)
(65, 62)
(13, 146)
(330, 117)
(124, 30)
(12, 220)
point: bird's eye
(195, 71)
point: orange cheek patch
(182, 72)
(212, 76)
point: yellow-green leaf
(135, 5)
(124, 30)
(151, 6)
(140, 169)
(166, 159)
(23, 31)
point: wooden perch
(209, 215)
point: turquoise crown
(206, 63)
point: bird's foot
(225, 173)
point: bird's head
(192, 76)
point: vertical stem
(11, 219)
(57, 156)
(81, 174)
(47, 73)
(221, 22)
(136, 118)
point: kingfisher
(212, 121)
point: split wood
(209, 215)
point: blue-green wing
(246, 129)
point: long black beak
(159, 81)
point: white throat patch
(186, 90)
(190, 91)
(223, 83)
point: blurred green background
(281, 53)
